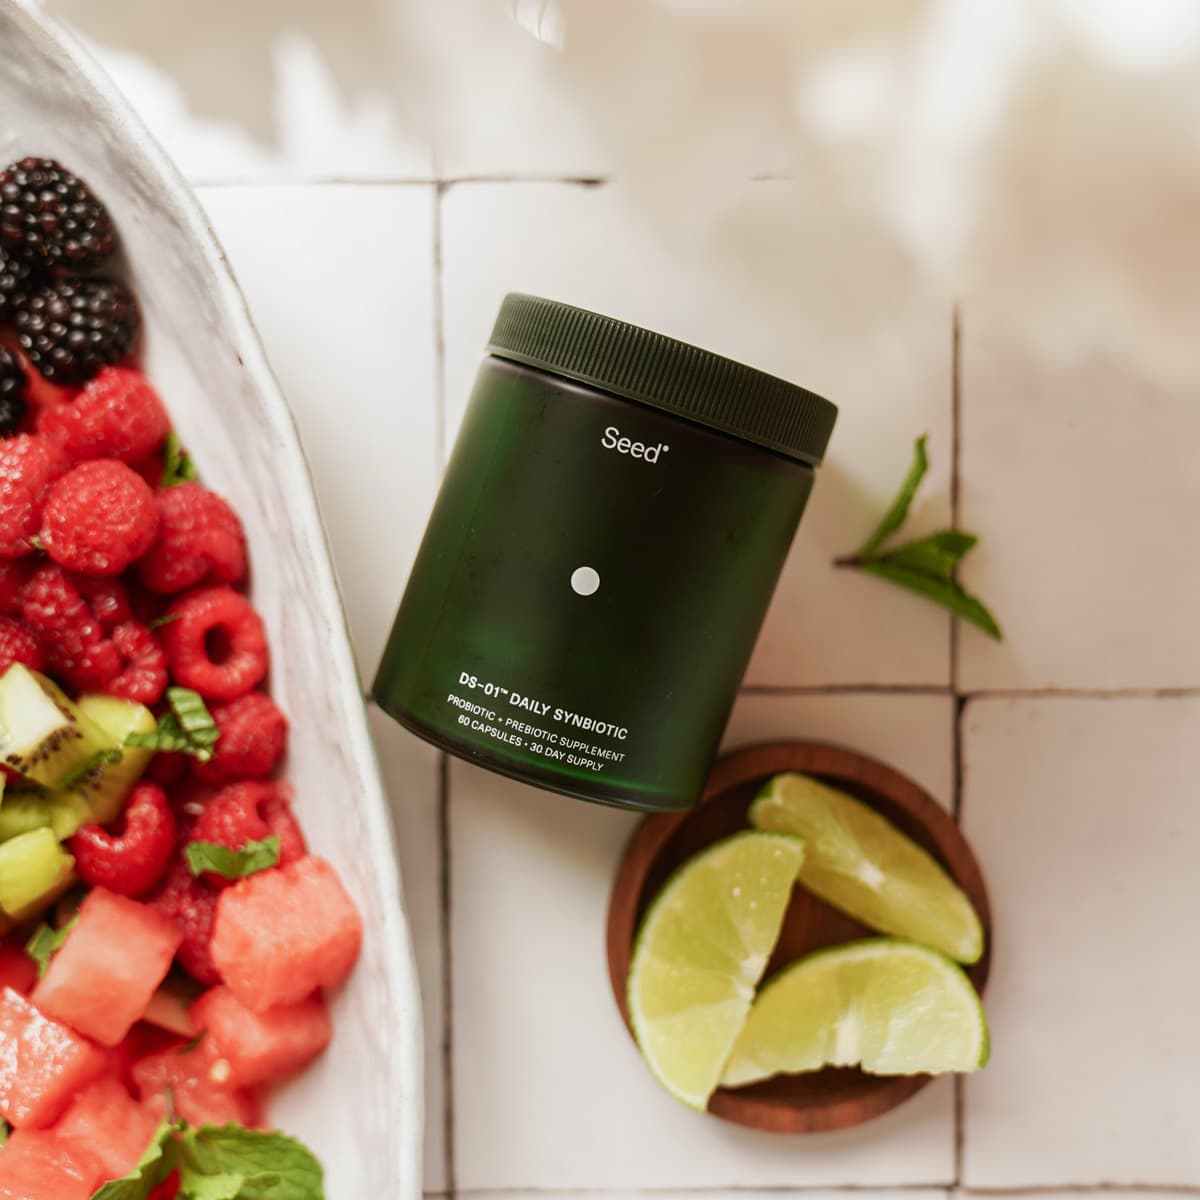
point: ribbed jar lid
(649, 367)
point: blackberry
(70, 328)
(50, 216)
(13, 382)
(16, 277)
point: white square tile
(914, 734)
(1083, 814)
(549, 1090)
(412, 775)
(786, 284)
(1080, 476)
(340, 281)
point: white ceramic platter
(359, 1107)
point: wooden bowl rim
(832, 762)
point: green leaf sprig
(46, 942)
(222, 1163)
(925, 565)
(232, 864)
(187, 727)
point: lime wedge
(891, 1007)
(700, 952)
(859, 862)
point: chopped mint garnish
(228, 1162)
(153, 1167)
(93, 764)
(4, 1131)
(926, 565)
(177, 463)
(165, 619)
(222, 1163)
(232, 864)
(46, 942)
(37, 543)
(187, 728)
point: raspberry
(19, 645)
(98, 518)
(28, 466)
(132, 861)
(144, 678)
(253, 735)
(200, 540)
(249, 812)
(107, 598)
(192, 907)
(281, 821)
(117, 415)
(14, 574)
(216, 645)
(74, 642)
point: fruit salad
(167, 936)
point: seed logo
(612, 440)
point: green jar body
(589, 590)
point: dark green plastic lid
(654, 369)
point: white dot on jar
(584, 581)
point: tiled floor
(1080, 805)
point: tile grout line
(449, 1157)
(956, 739)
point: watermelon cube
(200, 1087)
(102, 979)
(107, 1121)
(38, 1166)
(17, 970)
(262, 1047)
(281, 934)
(42, 1063)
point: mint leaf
(187, 728)
(937, 555)
(166, 619)
(177, 463)
(945, 592)
(898, 509)
(232, 864)
(210, 1187)
(268, 1166)
(46, 942)
(5, 1130)
(92, 765)
(153, 1167)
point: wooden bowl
(822, 1100)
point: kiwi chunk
(42, 734)
(107, 783)
(34, 870)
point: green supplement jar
(611, 526)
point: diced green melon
(42, 733)
(33, 869)
(106, 787)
